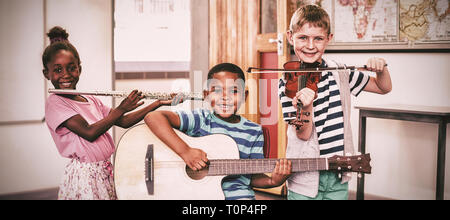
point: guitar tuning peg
(359, 175)
(339, 175)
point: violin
(296, 81)
(299, 75)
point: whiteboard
(22, 84)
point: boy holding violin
(319, 114)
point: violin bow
(309, 70)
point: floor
(45, 194)
(51, 194)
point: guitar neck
(253, 166)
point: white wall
(404, 154)
(199, 45)
(12, 75)
(28, 157)
(89, 23)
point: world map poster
(388, 24)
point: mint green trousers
(330, 188)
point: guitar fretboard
(253, 166)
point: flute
(123, 94)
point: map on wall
(365, 21)
(399, 24)
(425, 20)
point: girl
(79, 124)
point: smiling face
(309, 42)
(63, 70)
(225, 95)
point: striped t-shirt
(247, 135)
(327, 109)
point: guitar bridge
(149, 170)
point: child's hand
(132, 101)
(376, 64)
(195, 158)
(281, 172)
(306, 96)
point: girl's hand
(131, 102)
(281, 172)
(376, 64)
(306, 97)
(195, 158)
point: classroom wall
(28, 157)
(404, 154)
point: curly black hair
(226, 67)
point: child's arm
(82, 128)
(280, 173)
(381, 84)
(162, 123)
(132, 118)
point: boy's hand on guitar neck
(195, 158)
(281, 172)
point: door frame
(263, 45)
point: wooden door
(273, 51)
(236, 36)
(233, 26)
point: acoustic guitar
(146, 168)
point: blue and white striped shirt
(248, 136)
(327, 107)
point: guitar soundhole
(196, 175)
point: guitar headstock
(357, 163)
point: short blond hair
(312, 14)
